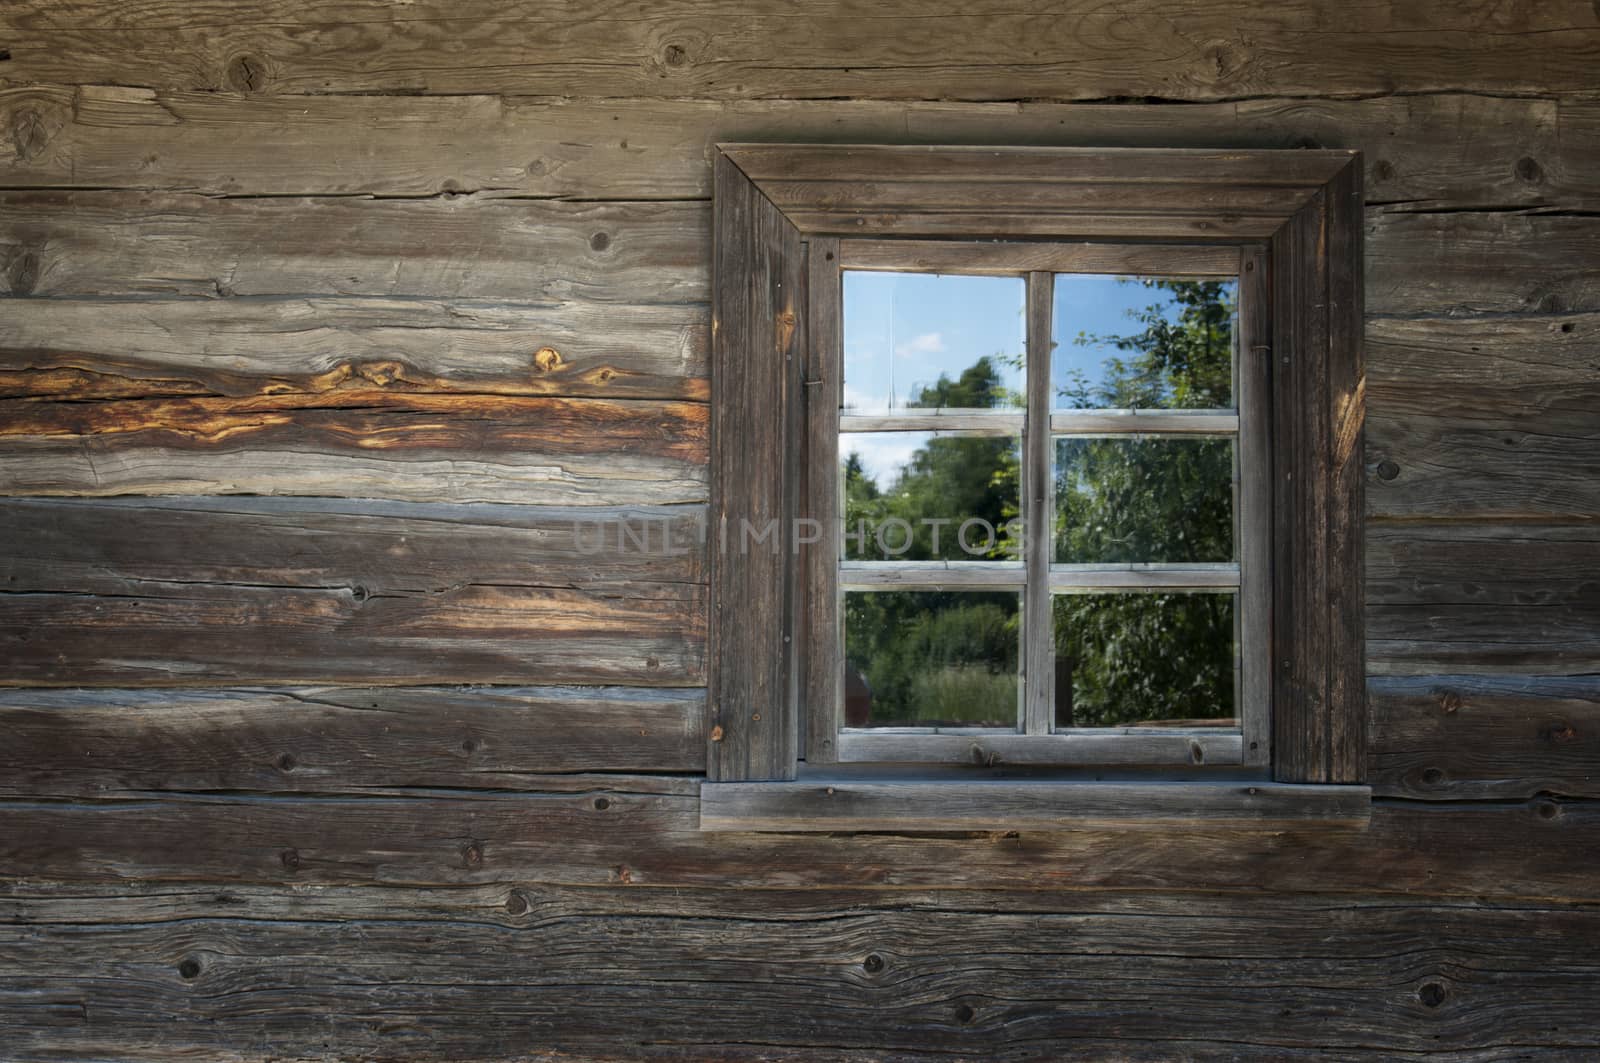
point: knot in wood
(516, 904)
(546, 359)
(29, 135)
(22, 273)
(472, 854)
(290, 859)
(873, 963)
(189, 968)
(1431, 994)
(246, 73)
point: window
(1202, 481)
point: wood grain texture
(1436, 738)
(413, 447)
(1485, 737)
(633, 271)
(479, 247)
(176, 972)
(1319, 406)
(188, 634)
(1482, 263)
(1484, 599)
(758, 354)
(339, 740)
(1420, 151)
(1489, 418)
(113, 545)
(920, 51)
(845, 804)
(113, 348)
(645, 837)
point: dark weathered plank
(477, 247)
(331, 740)
(111, 349)
(563, 258)
(1544, 848)
(1015, 805)
(113, 545)
(1318, 401)
(166, 972)
(1520, 152)
(1490, 418)
(943, 50)
(1456, 737)
(410, 446)
(188, 634)
(1483, 598)
(758, 347)
(116, 590)
(1461, 263)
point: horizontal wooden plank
(187, 634)
(1483, 598)
(1476, 737)
(954, 256)
(696, 48)
(414, 447)
(113, 348)
(1469, 263)
(476, 247)
(114, 545)
(616, 285)
(873, 169)
(1522, 152)
(133, 590)
(333, 740)
(1016, 805)
(1489, 418)
(170, 972)
(1543, 848)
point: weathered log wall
(325, 736)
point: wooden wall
(323, 738)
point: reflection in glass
(931, 659)
(929, 341)
(1145, 659)
(1142, 342)
(920, 496)
(1143, 499)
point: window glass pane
(921, 496)
(1145, 659)
(931, 659)
(926, 341)
(1143, 342)
(1143, 499)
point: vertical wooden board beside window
(789, 220)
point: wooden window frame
(783, 217)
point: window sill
(801, 807)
